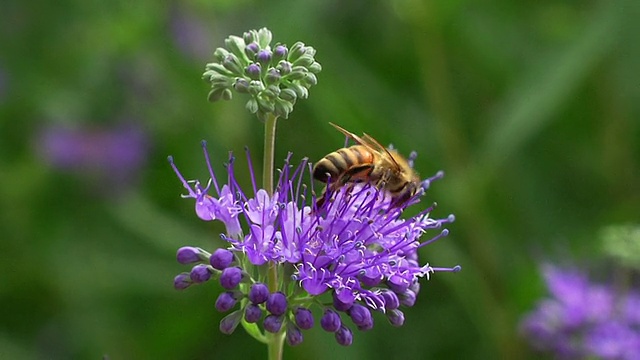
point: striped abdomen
(340, 161)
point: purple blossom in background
(114, 154)
(355, 247)
(583, 319)
(190, 34)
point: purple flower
(583, 319)
(356, 246)
(113, 154)
(182, 281)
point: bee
(367, 162)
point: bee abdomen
(336, 163)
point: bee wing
(383, 150)
(369, 142)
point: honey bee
(367, 162)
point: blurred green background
(530, 107)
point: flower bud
(230, 322)
(188, 255)
(343, 300)
(252, 105)
(280, 52)
(294, 335)
(344, 336)
(219, 54)
(407, 298)
(415, 287)
(391, 300)
(241, 85)
(315, 67)
(236, 46)
(303, 318)
(253, 71)
(361, 317)
(273, 323)
(221, 259)
(277, 303)
(298, 73)
(225, 301)
(264, 57)
(219, 93)
(251, 50)
(231, 277)
(272, 77)
(282, 108)
(182, 281)
(200, 273)
(249, 37)
(255, 87)
(258, 293)
(330, 321)
(296, 51)
(310, 80)
(304, 60)
(264, 37)
(232, 64)
(398, 284)
(284, 67)
(395, 317)
(288, 95)
(252, 313)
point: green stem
(275, 342)
(269, 151)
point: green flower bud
(288, 95)
(250, 36)
(219, 93)
(236, 46)
(272, 77)
(255, 87)
(264, 37)
(283, 108)
(284, 67)
(252, 105)
(310, 50)
(220, 54)
(315, 67)
(241, 85)
(251, 50)
(217, 68)
(232, 64)
(298, 73)
(309, 80)
(296, 51)
(301, 91)
(265, 104)
(271, 92)
(305, 60)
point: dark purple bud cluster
(252, 58)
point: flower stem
(275, 342)
(269, 151)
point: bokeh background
(530, 107)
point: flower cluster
(584, 319)
(274, 77)
(349, 257)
